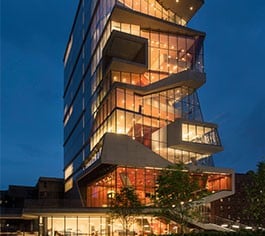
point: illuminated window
(115, 26)
(125, 28)
(68, 171)
(185, 133)
(68, 185)
(135, 29)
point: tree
(176, 192)
(255, 194)
(125, 206)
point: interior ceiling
(122, 14)
(183, 8)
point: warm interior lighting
(110, 129)
(191, 8)
(68, 185)
(68, 171)
(120, 131)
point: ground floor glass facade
(103, 225)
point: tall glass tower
(132, 71)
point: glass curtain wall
(152, 8)
(102, 225)
(141, 117)
(122, 110)
(168, 54)
(143, 181)
(81, 58)
(77, 225)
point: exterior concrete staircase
(209, 226)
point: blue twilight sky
(33, 38)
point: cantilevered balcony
(125, 52)
(188, 78)
(120, 13)
(116, 150)
(194, 136)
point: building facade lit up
(131, 108)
